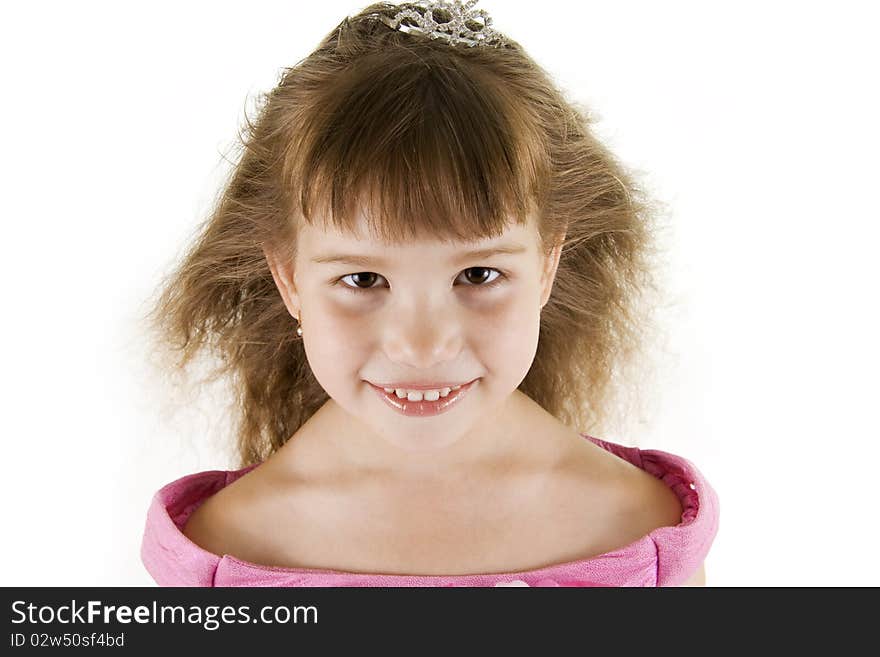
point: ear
(282, 273)
(551, 264)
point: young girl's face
(420, 313)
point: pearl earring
(299, 330)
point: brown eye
(363, 280)
(478, 275)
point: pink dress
(667, 556)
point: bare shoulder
(220, 524)
(260, 518)
(631, 501)
(650, 502)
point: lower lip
(423, 408)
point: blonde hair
(431, 139)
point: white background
(756, 122)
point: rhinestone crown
(464, 25)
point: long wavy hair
(431, 139)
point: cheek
(506, 335)
(336, 340)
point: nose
(421, 338)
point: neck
(499, 442)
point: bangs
(426, 145)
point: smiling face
(423, 312)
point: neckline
(661, 465)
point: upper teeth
(418, 395)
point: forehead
(326, 237)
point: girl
(463, 261)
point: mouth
(415, 404)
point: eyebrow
(367, 261)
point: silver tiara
(464, 25)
